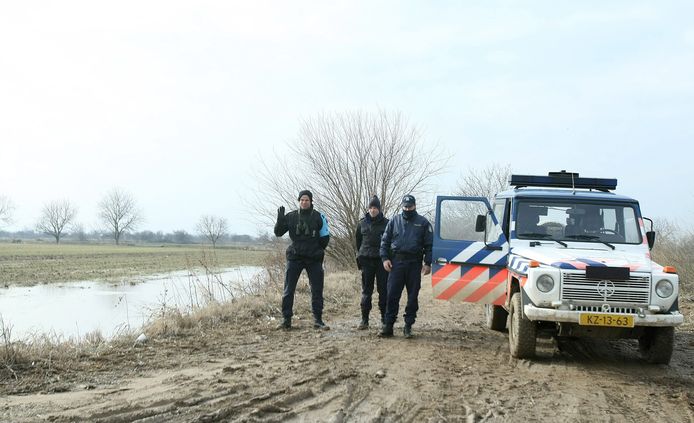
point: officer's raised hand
(280, 213)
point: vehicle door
(469, 265)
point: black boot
(364, 321)
(386, 331)
(319, 324)
(286, 324)
(407, 331)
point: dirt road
(453, 370)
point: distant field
(30, 264)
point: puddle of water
(71, 310)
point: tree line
(77, 234)
(119, 216)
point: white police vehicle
(557, 255)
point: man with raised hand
(308, 230)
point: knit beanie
(305, 192)
(375, 202)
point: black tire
(656, 345)
(521, 331)
(495, 316)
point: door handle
(441, 260)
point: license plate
(601, 319)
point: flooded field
(73, 309)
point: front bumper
(570, 316)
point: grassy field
(30, 264)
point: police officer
(308, 230)
(368, 236)
(406, 241)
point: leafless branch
(55, 216)
(6, 209)
(119, 213)
(212, 228)
(485, 182)
(344, 159)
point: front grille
(635, 290)
(598, 309)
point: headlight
(545, 283)
(664, 288)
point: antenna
(573, 183)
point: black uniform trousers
(314, 269)
(404, 274)
(372, 269)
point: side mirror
(481, 223)
(650, 235)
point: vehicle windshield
(577, 221)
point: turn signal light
(534, 263)
(669, 269)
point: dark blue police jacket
(409, 238)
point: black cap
(375, 202)
(408, 200)
(305, 192)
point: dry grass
(43, 360)
(678, 251)
(258, 301)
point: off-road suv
(557, 255)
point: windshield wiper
(534, 235)
(537, 243)
(584, 237)
(608, 244)
(590, 238)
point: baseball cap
(408, 200)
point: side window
(457, 220)
(494, 232)
(631, 228)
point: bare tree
(484, 182)
(344, 159)
(212, 228)
(6, 209)
(55, 216)
(119, 213)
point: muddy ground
(453, 370)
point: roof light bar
(563, 179)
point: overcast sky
(176, 101)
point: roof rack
(563, 179)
